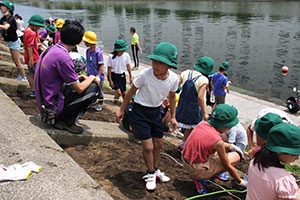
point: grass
(294, 169)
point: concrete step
(6, 56)
(60, 178)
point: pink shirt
(200, 144)
(271, 184)
(57, 37)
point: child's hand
(120, 115)
(111, 84)
(174, 124)
(205, 117)
(30, 63)
(229, 82)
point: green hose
(216, 192)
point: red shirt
(30, 38)
(200, 144)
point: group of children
(212, 144)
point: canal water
(256, 38)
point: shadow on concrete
(64, 138)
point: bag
(48, 115)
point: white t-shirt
(118, 65)
(265, 111)
(152, 91)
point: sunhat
(263, 125)
(9, 5)
(165, 52)
(59, 23)
(205, 65)
(284, 138)
(120, 45)
(51, 28)
(225, 65)
(224, 116)
(36, 20)
(90, 37)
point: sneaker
(19, 77)
(150, 180)
(24, 78)
(72, 129)
(99, 107)
(200, 186)
(180, 147)
(32, 94)
(161, 176)
(223, 177)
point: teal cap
(9, 5)
(263, 125)
(120, 45)
(225, 65)
(51, 28)
(224, 116)
(284, 138)
(205, 65)
(166, 53)
(36, 20)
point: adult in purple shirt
(60, 86)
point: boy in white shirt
(152, 86)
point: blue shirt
(93, 61)
(219, 81)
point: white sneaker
(150, 180)
(24, 78)
(161, 176)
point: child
(198, 155)
(31, 40)
(8, 27)
(94, 63)
(78, 61)
(191, 107)
(116, 64)
(58, 24)
(219, 84)
(153, 85)
(267, 178)
(20, 25)
(135, 47)
(253, 126)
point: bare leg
(15, 54)
(158, 143)
(147, 146)
(123, 94)
(187, 134)
(31, 81)
(117, 96)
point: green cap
(263, 125)
(36, 20)
(224, 116)
(120, 45)
(205, 65)
(51, 28)
(165, 52)
(225, 65)
(9, 5)
(284, 138)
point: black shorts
(119, 81)
(146, 122)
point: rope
(162, 153)
(216, 192)
(224, 189)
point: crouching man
(199, 156)
(58, 88)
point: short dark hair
(71, 33)
(221, 69)
(132, 29)
(47, 21)
(265, 158)
(18, 16)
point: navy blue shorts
(119, 81)
(146, 122)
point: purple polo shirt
(93, 61)
(57, 68)
(43, 33)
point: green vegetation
(294, 169)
